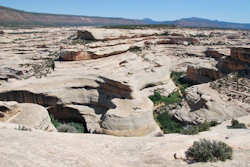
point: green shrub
(206, 150)
(62, 126)
(204, 126)
(168, 124)
(135, 49)
(237, 125)
(78, 126)
(214, 123)
(171, 99)
(191, 130)
(55, 122)
(195, 129)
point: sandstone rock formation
(89, 100)
(213, 53)
(106, 89)
(205, 104)
(29, 115)
(238, 60)
(203, 74)
(104, 84)
(75, 56)
(241, 54)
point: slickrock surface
(36, 148)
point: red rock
(241, 54)
(76, 56)
(213, 53)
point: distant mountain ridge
(200, 22)
(13, 17)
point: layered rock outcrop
(213, 53)
(104, 105)
(238, 60)
(200, 74)
(241, 54)
(94, 53)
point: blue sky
(226, 10)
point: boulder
(85, 35)
(29, 115)
(130, 118)
(7, 73)
(205, 104)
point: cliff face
(239, 59)
(241, 54)
(10, 16)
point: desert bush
(204, 126)
(78, 126)
(70, 127)
(66, 128)
(135, 49)
(237, 125)
(206, 150)
(171, 99)
(195, 129)
(168, 124)
(190, 130)
(55, 122)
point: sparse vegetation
(179, 81)
(55, 122)
(81, 42)
(171, 99)
(237, 125)
(66, 128)
(23, 128)
(135, 49)
(169, 124)
(195, 129)
(206, 150)
(69, 127)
